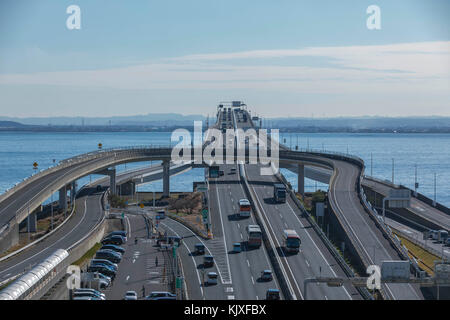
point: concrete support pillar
(166, 178)
(32, 220)
(73, 191)
(63, 198)
(301, 179)
(112, 180)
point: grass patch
(88, 255)
(423, 257)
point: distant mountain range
(162, 119)
(170, 121)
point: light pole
(51, 206)
(416, 185)
(392, 170)
(434, 200)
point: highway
(242, 270)
(89, 213)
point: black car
(117, 233)
(113, 247)
(107, 271)
(208, 261)
(115, 239)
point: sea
(386, 156)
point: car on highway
(130, 295)
(237, 247)
(110, 255)
(104, 269)
(208, 261)
(266, 275)
(114, 239)
(113, 247)
(199, 248)
(161, 295)
(105, 262)
(212, 279)
(447, 242)
(273, 294)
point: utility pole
(415, 180)
(434, 201)
(392, 170)
(371, 164)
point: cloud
(396, 71)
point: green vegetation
(88, 255)
(116, 201)
(423, 257)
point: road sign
(399, 198)
(205, 213)
(141, 205)
(179, 281)
(202, 189)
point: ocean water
(429, 152)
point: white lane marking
(190, 253)
(230, 297)
(241, 236)
(60, 239)
(229, 289)
(128, 277)
(248, 263)
(307, 263)
(129, 227)
(224, 241)
(257, 298)
(318, 250)
(253, 280)
(238, 225)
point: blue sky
(283, 58)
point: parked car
(114, 239)
(113, 247)
(130, 295)
(161, 295)
(266, 275)
(122, 233)
(95, 280)
(89, 293)
(212, 279)
(208, 261)
(83, 298)
(108, 255)
(96, 292)
(106, 262)
(104, 269)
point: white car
(130, 295)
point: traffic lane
(192, 263)
(255, 259)
(313, 259)
(138, 263)
(315, 255)
(418, 236)
(89, 213)
(244, 281)
(345, 198)
(13, 203)
(418, 207)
